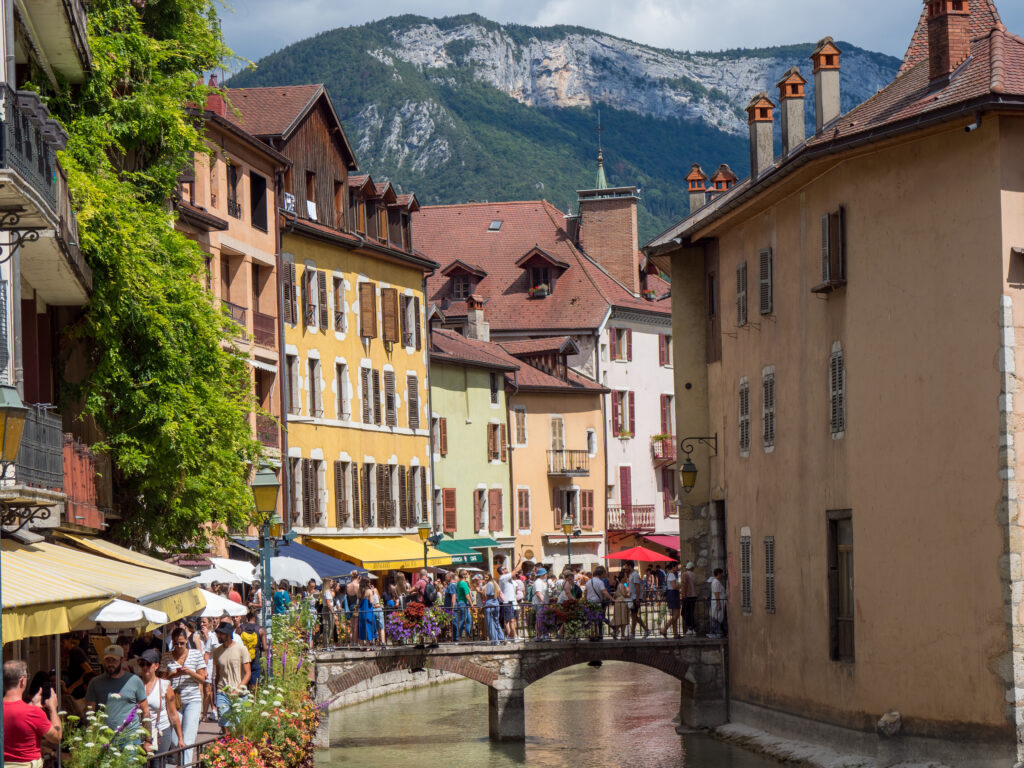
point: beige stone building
(845, 324)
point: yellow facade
(349, 474)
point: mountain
(463, 108)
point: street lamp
(688, 472)
(428, 539)
(265, 487)
(567, 524)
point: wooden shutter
(390, 409)
(376, 396)
(403, 319)
(586, 509)
(368, 310)
(741, 294)
(662, 360)
(668, 490)
(768, 409)
(289, 292)
(836, 245)
(321, 278)
(837, 385)
(625, 488)
(478, 510)
(416, 309)
(442, 428)
(403, 500)
(523, 508)
(307, 492)
(359, 518)
(504, 442)
(304, 304)
(557, 434)
(841, 242)
(491, 440)
(613, 343)
(765, 280)
(448, 502)
(826, 245)
(497, 515)
(364, 377)
(632, 414)
(382, 497)
(664, 415)
(629, 344)
(744, 417)
(414, 401)
(616, 413)
(423, 495)
(340, 502)
(389, 315)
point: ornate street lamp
(428, 539)
(265, 487)
(567, 524)
(688, 472)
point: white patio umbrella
(217, 606)
(297, 572)
(245, 571)
(120, 614)
(211, 575)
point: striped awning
(109, 549)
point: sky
(254, 28)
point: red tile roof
(984, 17)
(454, 347)
(530, 378)
(582, 293)
(537, 346)
(270, 111)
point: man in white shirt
(508, 600)
(635, 583)
(597, 592)
(718, 598)
(540, 598)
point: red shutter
(448, 500)
(629, 344)
(662, 357)
(478, 510)
(442, 428)
(494, 505)
(616, 413)
(613, 344)
(586, 509)
(504, 443)
(632, 414)
(625, 489)
(664, 414)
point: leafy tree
(167, 391)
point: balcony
(38, 473)
(234, 209)
(663, 450)
(58, 31)
(264, 329)
(236, 313)
(633, 518)
(28, 150)
(568, 463)
(267, 431)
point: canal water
(614, 715)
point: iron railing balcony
(636, 517)
(267, 431)
(663, 450)
(264, 329)
(234, 209)
(237, 313)
(29, 140)
(38, 472)
(569, 463)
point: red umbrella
(642, 554)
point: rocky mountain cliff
(464, 108)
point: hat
(225, 628)
(690, 566)
(151, 656)
(113, 652)
(541, 571)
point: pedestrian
(719, 619)
(252, 636)
(450, 583)
(621, 612)
(540, 599)
(688, 593)
(378, 614)
(507, 587)
(352, 609)
(233, 594)
(27, 724)
(568, 590)
(231, 673)
(492, 611)
(256, 597)
(367, 619)
(281, 600)
(462, 606)
(401, 590)
(185, 668)
(596, 593)
(328, 612)
(165, 725)
(77, 674)
(636, 596)
(124, 696)
(204, 641)
(420, 587)
(672, 601)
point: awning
(664, 540)
(174, 596)
(107, 549)
(35, 605)
(326, 566)
(482, 542)
(261, 365)
(377, 553)
(461, 554)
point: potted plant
(649, 293)
(539, 291)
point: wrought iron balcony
(569, 463)
(236, 313)
(234, 209)
(636, 517)
(264, 329)
(29, 139)
(40, 462)
(267, 431)
(663, 450)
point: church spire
(602, 181)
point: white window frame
(591, 435)
(314, 391)
(343, 406)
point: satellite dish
(528, 554)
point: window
(540, 276)
(368, 310)
(367, 395)
(519, 414)
(620, 343)
(208, 262)
(741, 294)
(668, 491)
(667, 415)
(768, 407)
(340, 316)
(360, 501)
(390, 404)
(566, 502)
(623, 414)
(495, 225)
(339, 205)
(769, 574)
(389, 316)
(462, 286)
(361, 216)
(321, 281)
(311, 195)
(494, 388)
(405, 514)
(591, 442)
(316, 406)
(712, 295)
(375, 376)
(442, 436)
(413, 400)
(234, 209)
(291, 311)
(744, 419)
(586, 518)
(493, 442)
(258, 201)
(664, 349)
(479, 502)
(292, 368)
(309, 296)
(840, 584)
(764, 261)
(745, 602)
(342, 513)
(626, 488)
(409, 319)
(386, 513)
(833, 251)
(837, 391)
(448, 506)
(557, 433)
(311, 512)
(495, 511)
(523, 508)
(341, 383)
(295, 475)
(407, 232)
(382, 225)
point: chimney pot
(476, 326)
(762, 141)
(826, 82)
(721, 181)
(696, 184)
(214, 100)
(791, 104)
(949, 36)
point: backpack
(429, 594)
(528, 593)
(576, 591)
(250, 637)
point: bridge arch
(540, 667)
(383, 664)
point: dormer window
(540, 276)
(462, 287)
(464, 278)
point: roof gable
(538, 254)
(460, 266)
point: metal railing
(68, 231)
(22, 147)
(663, 450)
(638, 517)
(264, 329)
(41, 454)
(236, 313)
(177, 756)
(569, 463)
(267, 431)
(234, 209)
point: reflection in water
(615, 715)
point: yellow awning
(377, 553)
(174, 596)
(108, 549)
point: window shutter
(661, 349)
(307, 492)
(448, 500)
(664, 415)
(769, 574)
(414, 402)
(587, 509)
(841, 242)
(364, 377)
(744, 416)
(390, 409)
(522, 507)
(389, 315)
(741, 294)
(626, 488)
(632, 414)
(410, 479)
(837, 267)
(376, 396)
(557, 434)
(629, 344)
(340, 502)
(442, 426)
(305, 295)
(423, 495)
(668, 490)
(745, 574)
(359, 518)
(613, 344)
(494, 500)
(826, 242)
(403, 500)
(382, 497)
(768, 409)
(504, 442)
(478, 504)
(289, 292)
(416, 310)
(616, 413)
(837, 375)
(321, 278)
(765, 278)
(403, 320)
(492, 448)
(367, 507)
(368, 310)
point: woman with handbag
(165, 725)
(185, 668)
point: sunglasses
(143, 663)
(182, 644)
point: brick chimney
(696, 185)
(608, 232)
(722, 181)
(791, 104)
(214, 101)
(476, 327)
(826, 82)
(949, 36)
(760, 118)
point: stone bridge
(699, 664)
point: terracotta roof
(458, 265)
(270, 111)
(537, 346)
(582, 294)
(453, 347)
(984, 17)
(358, 180)
(529, 377)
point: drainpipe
(428, 504)
(286, 473)
(604, 420)
(17, 360)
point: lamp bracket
(16, 515)
(687, 444)
(10, 222)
